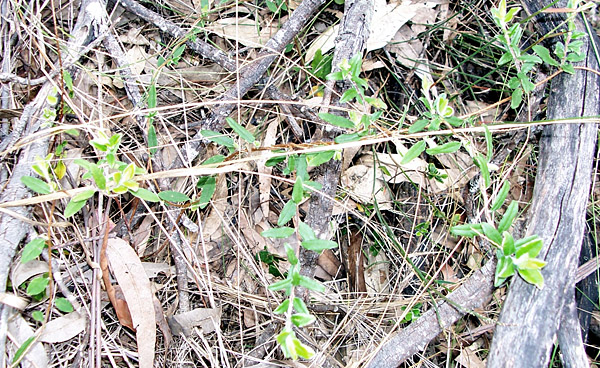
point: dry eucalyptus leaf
(13, 301)
(137, 290)
(468, 359)
(64, 328)
(24, 271)
(245, 30)
(19, 331)
(208, 319)
(377, 275)
(362, 183)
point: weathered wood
(531, 317)
(474, 293)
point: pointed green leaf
(218, 138)
(240, 130)
(311, 284)
(482, 163)
(291, 254)
(532, 248)
(508, 244)
(306, 232)
(145, 194)
(317, 245)
(283, 307)
(173, 196)
(208, 184)
(302, 350)
(302, 319)
(444, 148)
(467, 230)
(413, 152)
(83, 196)
(73, 207)
(152, 140)
(348, 95)
(501, 197)
(336, 120)
(37, 285)
(509, 216)
(37, 185)
(300, 306)
(280, 285)
(544, 54)
(533, 276)
(278, 232)
(23, 348)
(63, 305)
(491, 233)
(298, 191)
(287, 213)
(33, 249)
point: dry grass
(222, 241)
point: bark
(531, 317)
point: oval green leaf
(278, 232)
(240, 130)
(37, 185)
(73, 207)
(444, 148)
(317, 245)
(173, 196)
(413, 152)
(336, 120)
(287, 213)
(33, 249)
(145, 194)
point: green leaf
(299, 306)
(152, 140)
(68, 79)
(488, 143)
(508, 244)
(152, 96)
(445, 148)
(316, 159)
(280, 285)
(317, 245)
(302, 168)
(528, 263)
(214, 160)
(145, 194)
(218, 138)
(348, 95)
(274, 161)
(306, 232)
(336, 120)
(491, 233)
(37, 285)
(501, 197)
(346, 138)
(298, 191)
(302, 350)
(506, 267)
(84, 196)
(467, 230)
(173, 196)
(73, 207)
(311, 284)
(544, 54)
(208, 184)
(240, 130)
(413, 152)
(178, 51)
(568, 68)
(33, 249)
(278, 232)
(533, 276)
(98, 176)
(482, 163)
(302, 319)
(287, 213)
(521, 242)
(418, 126)
(337, 76)
(505, 58)
(517, 98)
(532, 247)
(38, 316)
(22, 349)
(291, 254)
(509, 216)
(283, 307)
(37, 185)
(63, 305)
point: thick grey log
(530, 318)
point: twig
(409, 341)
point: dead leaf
(264, 180)
(377, 274)
(117, 299)
(249, 318)
(330, 263)
(13, 301)
(245, 30)
(212, 226)
(356, 264)
(137, 291)
(162, 323)
(24, 271)
(362, 183)
(19, 331)
(468, 359)
(142, 234)
(64, 328)
(448, 273)
(208, 319)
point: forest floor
(189, 253)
